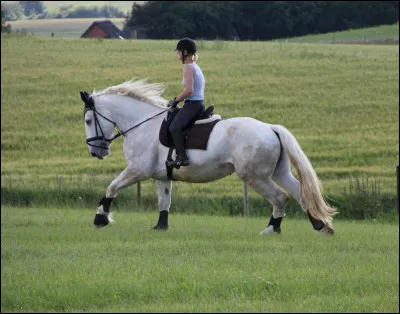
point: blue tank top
(198, 82)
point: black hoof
(161, 227)
(277, 229)
(327, 230)
(100, 220)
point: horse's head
(99, 128)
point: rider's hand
(173, 103)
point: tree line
(21, 10)
(256, 20)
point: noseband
(89, 105)
(96, 123)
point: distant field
(73, 28)
(66, 28)
(125, 6)
(380, 34)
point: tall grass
(361, 199)
(340, 102)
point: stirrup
(183, 163)
(171, 164)
(177, 163)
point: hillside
(384, 34)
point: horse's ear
(84, 99)
(87, 99)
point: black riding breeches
(191, 110)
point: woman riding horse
(193, 96)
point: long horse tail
(311, 197)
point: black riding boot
(181, 157)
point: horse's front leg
(164, 201)
(103, 216)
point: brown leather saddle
(197, 134)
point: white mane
(150, 93)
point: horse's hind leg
(284, 177)
(277, 198)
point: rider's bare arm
(188, 72)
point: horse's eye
(88, 121)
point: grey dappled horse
(258, 152)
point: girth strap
(169, 169)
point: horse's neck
(128, 111)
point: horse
(260, 153)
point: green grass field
(340, 101)
(52, 260)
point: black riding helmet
(187, 46)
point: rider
(193, 96)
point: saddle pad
(196, 136)
(208, 120)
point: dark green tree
(4, 27)
(12, 11)
(32, 7)
(257, 20)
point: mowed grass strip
(53, 260)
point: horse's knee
(110, 192)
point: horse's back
(253, 146)
(245, 131)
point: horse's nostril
(94, 155)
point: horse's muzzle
(100, 153)
(94, 155)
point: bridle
(89, 105)
(96, 123)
